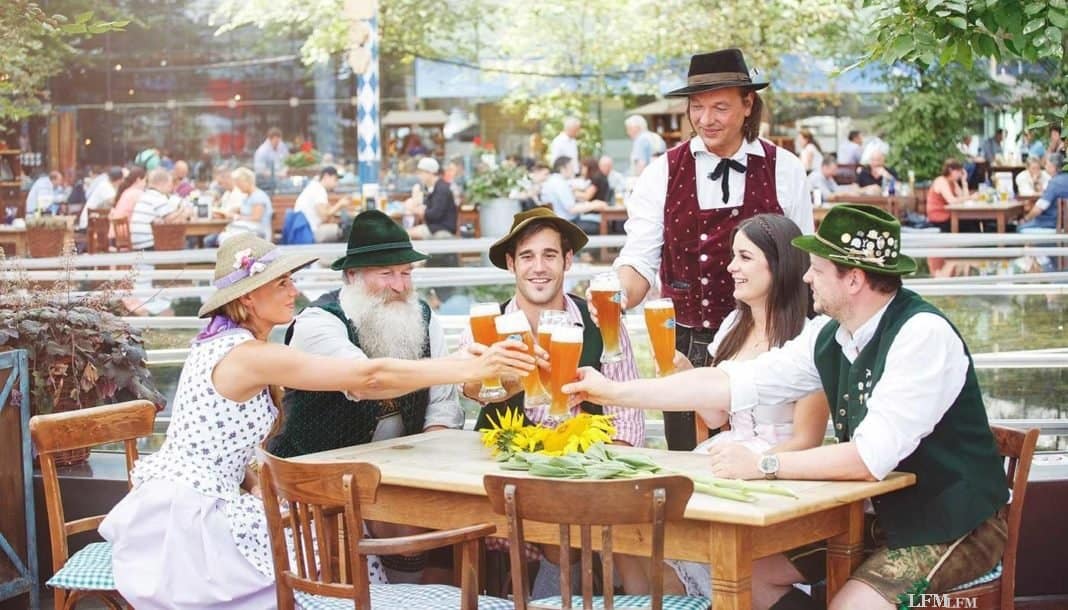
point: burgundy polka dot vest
(697, 243)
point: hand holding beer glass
(606, 296)
(564, 353)
(516, 327)
(484, 331)
(660, 321)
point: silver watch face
(769, 464)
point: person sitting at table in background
(874, 144)
(314, 203)
(557, 192)
(227, 198)
(42, 196)
(186, 512)
(1043, 214)
(565, 144)
(645, 144)
(101, 196)
(811, 154)
(876, 178)
(597, 188)
(950, 188)
(617, 183)
(822, 179)
(183, 186)
(1034, 179)
(774, 306)
(375, 314)
(435, 213)
(255, 212)
(156, 204)
(905, 397)
(991, 149)
(129, 191)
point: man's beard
(386, 328)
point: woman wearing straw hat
(186, 510)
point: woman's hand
(503, 358)
(591, 386)
(734, 461)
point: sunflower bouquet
(576, 450)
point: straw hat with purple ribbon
(246, 262)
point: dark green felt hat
(861, 236)
(376, 240)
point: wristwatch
(769, 465)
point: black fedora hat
(717, 70)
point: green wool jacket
(320, 421)
(592, 346)
(960, 481)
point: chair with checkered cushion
(649, 501)
(320, 563)
(87, 573)
(996, 590)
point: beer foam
(660, 304)
(485, 309)
(512, 323)
(605, 282)
(567, 334)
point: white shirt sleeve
(317, 331)
(794, 198)
(645, 221)
(783, 374)
(913, 394)
(444, 407)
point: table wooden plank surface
(1001, 212)
(434, 480)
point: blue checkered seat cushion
(671, 602)
(404, 597)
(89, 570)
(990, 576)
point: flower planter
(45, 241)
(495, 216)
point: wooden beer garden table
(434, 480)
(1000, 212)
(202, 227)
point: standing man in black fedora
(687, 204)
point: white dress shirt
(645, 207)
(924, 373)
(318, 331)
(308, 202)
(564, 145)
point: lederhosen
(694, 259)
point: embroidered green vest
(320, 421)
(960, 481)
(592, 345)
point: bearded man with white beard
(375, 314)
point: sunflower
(505, 432)
(578, 433)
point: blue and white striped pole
(368, 144)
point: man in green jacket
(903, 395)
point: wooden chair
(652, 501)
(994, 591)
(325, 535)
(121, 229)
(87, 573)
(168, 235)
(96, 234)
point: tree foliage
(933, 107)
(34, 46)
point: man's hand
(735, 461)
(593, 308)
(591, 386)
(680, 362)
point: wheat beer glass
(484, 331)
(564, 353)
(516, 326)
(660, 321)
(606, 296)
(547, 321)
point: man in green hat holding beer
(904, 396)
